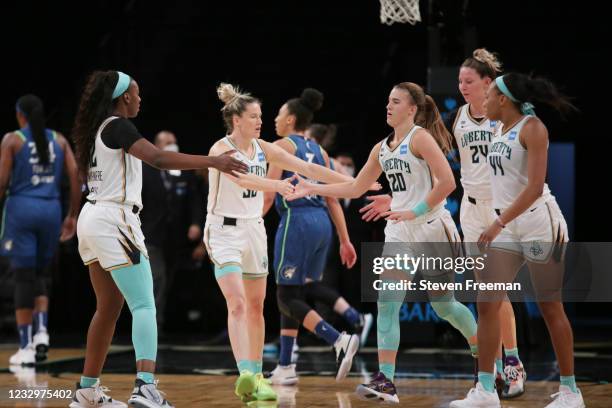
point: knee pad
(456, 313)
(388, 325)
(319, 292)
(291, 302)
(288, 323)
(25, 280)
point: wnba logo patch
(8, 245)
(512, 135)
(260, 156)
(288, 272)
(404, 149)
(536, 249)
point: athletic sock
(387, 369)
(327, 332)
(513, 352)
(149, 378)
(40, 321)
(487, 380)
(286, 347)
(352, 316)
(570, 381)
(88, 382)
(25, 335)
(244, 365)
(499, 367)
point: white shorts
(244, 244)
(475, 217)
(435, 235)
(109, 233)
(537, 234)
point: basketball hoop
(399, 11)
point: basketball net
(399, 11)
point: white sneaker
(284, 375)
(346, 346)
(478, 398)
(94, 397)
(24, 356)
(565, 398)
(515, 378)
(148, 396)
(41, 345)
(366, 324)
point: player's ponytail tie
(526, 107)
(122, 85)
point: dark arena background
(179, 52)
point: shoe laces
(512, 372)
(100, 393)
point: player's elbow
(535, 189)
(158, 160)
(450, 185)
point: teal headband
(526, 107)
(122, 84)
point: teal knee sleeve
(456, 313)
(388, 325)
(224, 270)
(136, 285)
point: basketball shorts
(109, 233)
(30, 230)
(538, 234)
(244, 244)
(434, 235)
(301, 245)
(475, 217)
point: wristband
(421, 208)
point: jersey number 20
(397, 182)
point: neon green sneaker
(246, 385)
(263, 391)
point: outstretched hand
(398, 216)
(226, 163)
(379, 204)
(285, 187)
(301, 189)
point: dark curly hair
(95, 106)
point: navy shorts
(301, 245)
(30, 230)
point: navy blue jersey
(310, 151)
(29, 177)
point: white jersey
(508, 166)
(409, 177)
(114, 175)
(473, 138)
(228, 199)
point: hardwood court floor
(217, 391)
